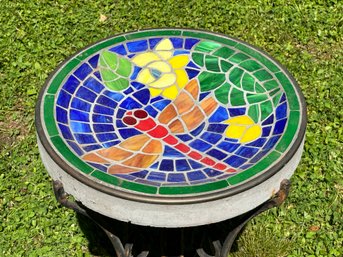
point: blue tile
(61, 115)
(152, 112)
(182, 165)
(153, 42)
(160, 105)
(177, 42)
(203, 95)
(86, 94)
(195, 165)
(78, 115)
(83, 71)
(283, 98)
(135, 73)
(193, 65)
(281, 111)
(78, 127)
(103, 137)
(115, 96)
(155, 99)
(129, 104)
(119, 49)
(211, 137)
(269, 120)
(93, 84)
(63, 99)
(94, 61)
(101, 119)
(158, 176)
(111, 143)
(258, 143)
(235, 161)
(98, 166)
(184, 137)
(80, 104)
(228, 147)
(219, 128)
(170, 152)
(198, 130)
(84, 138)
(279, 126)
(76, 148)
(103, 110)
(103, 127)
(247, 166)
(219, 115)
(66, 133)
(178, 177)
(200, 145)
(246, 152)
(137, 46)
(231, 140)
(212, 172)
(106, 101)
(71, 84)
(271, 142)
(97, 75)
(190, 42)
(155, 165)
(258, 156)
(143, 96)
(140, 174)
(266, 131)
(167, 165)
(236, 111)
(120, 113)
(137, 85)
(128, 90)
(192, 73)
(126, 133)
(120, 124)
(196, 175)
(89, 148)
(219, 155)
(180, 52)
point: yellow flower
(162, 72)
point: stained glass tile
(83, 71)
(63, 99)
(79, 115)
(71, 84)
(137, 46)
(194, 118)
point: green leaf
(114, 70)
(222, 93)
(210, 80)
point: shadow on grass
(158, 241)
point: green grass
(306, 36)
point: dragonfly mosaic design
(171, 110)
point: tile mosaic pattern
(171, 112)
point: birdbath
(171, 128)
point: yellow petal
(235, 132)
(145, 77)
(145, 58)
(181, 78)
(155, 91)
(160, 66)
(165, 80)
(179, 61)
(165, 55)
(170, 92)
(164, 45)
(240, 120)
(251, 134)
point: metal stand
(126, 251)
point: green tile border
(290, 130)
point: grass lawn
(306, 36)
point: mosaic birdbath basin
(171, 127)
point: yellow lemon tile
(154, 91)
(251, 134)
(145, 77)
(235, 132)
(240, 120)
(164, 45)
(179, 61)
(170, 92)
(181, 78)
(160, 66)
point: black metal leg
(62, 198)
(277, 200)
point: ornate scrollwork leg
(277, 200)
(62, 198)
